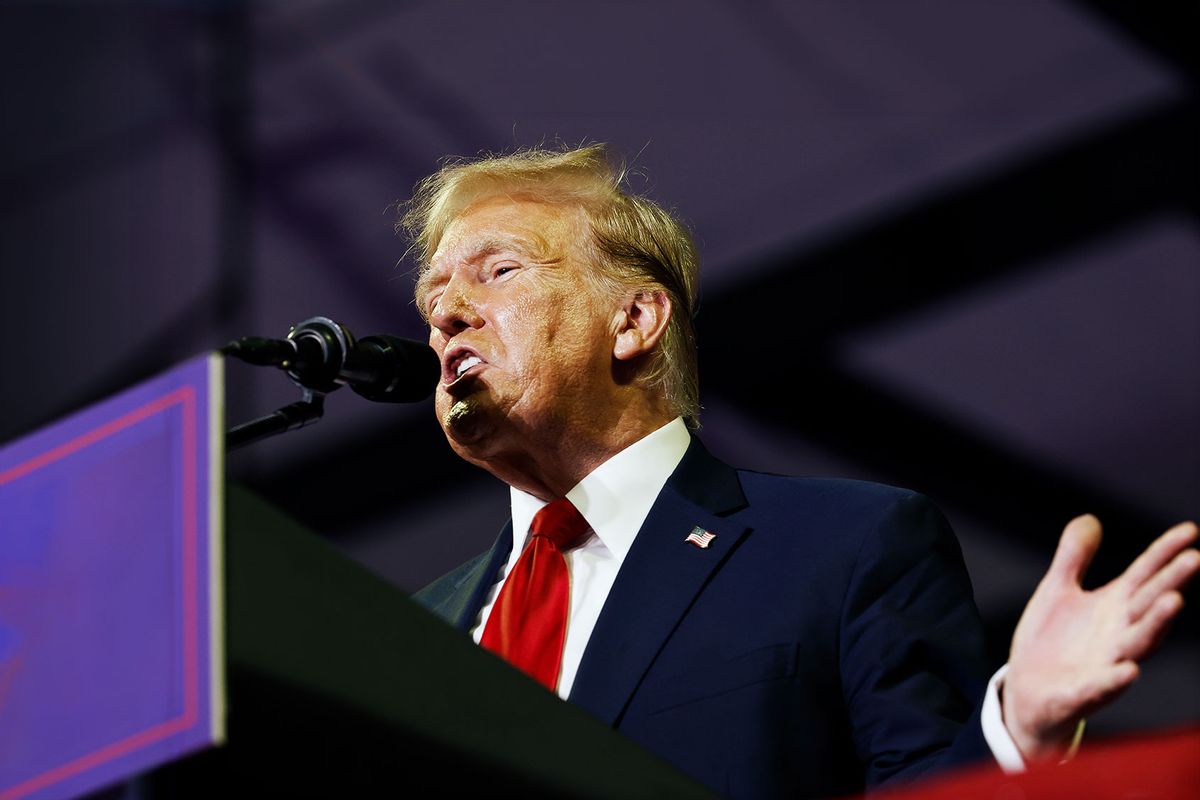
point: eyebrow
(533, 246)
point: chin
(465, 424)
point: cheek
(525, 326)
(524, 312)
(543, 333)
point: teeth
(466, 364)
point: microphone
(322, 355)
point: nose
(457, 309)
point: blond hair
(638, 244)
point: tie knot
(561, 523)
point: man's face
(525, 341)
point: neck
(555, 458)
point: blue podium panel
(110, 587)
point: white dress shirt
(615, 499)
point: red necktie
(528, 623)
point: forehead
(530, 227)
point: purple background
(967, 231)
(91, 566)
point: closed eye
(431, 302)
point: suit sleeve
(911, 647)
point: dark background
(950, 246)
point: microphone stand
(310, 408)
(291, 417)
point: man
(767, 635)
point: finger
(1079, 543)
(1146, 634)
(1104, 687)
(1120, 676)
(1172, 577)
(1162, 550)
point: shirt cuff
(1003, 748)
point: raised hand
(1075, 650)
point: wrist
(1039, 743)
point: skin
(558, 395)
(1075, 651)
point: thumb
(1079, 543)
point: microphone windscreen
(401, 370)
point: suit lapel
(466, 597)
(659, 581)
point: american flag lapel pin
(700, 537)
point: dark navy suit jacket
(825, 641)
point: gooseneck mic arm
(291, 417)
(321, 356)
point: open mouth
(466, 364)
(460, 363)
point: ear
(640, 323)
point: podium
(260, 658)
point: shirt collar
(616, 497)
